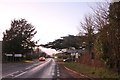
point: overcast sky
(52, 18)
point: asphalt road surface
(48, 69)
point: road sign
(9, 54)
(18, 55)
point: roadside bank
(93, 72)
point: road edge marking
(77, 72)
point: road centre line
(57, 70)
(58, 75)
(57, 67)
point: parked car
(41, 59)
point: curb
(78, 73)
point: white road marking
(58, 75)
(14, 75)
(11, 74)
(76, 72)
(29, 67)
(57, 70)
(36, 64)
(20, 74)
(52, 73)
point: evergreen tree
(18, 38)
(114, 33)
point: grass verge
(91, 71)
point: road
(48, 69)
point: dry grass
(94, 72)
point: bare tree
(88, 26)
(100, 13)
